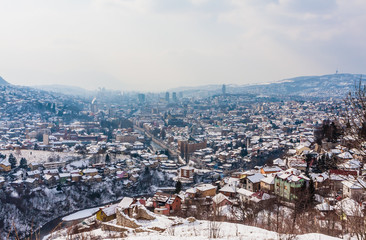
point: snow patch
(81, 214)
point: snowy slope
(174, 228)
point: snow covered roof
(268, 179)
(90, 170)
(30, 180)
(339, 175)
(35, 172)
(161, 197)
(191, 190)
(271, 169)
(205, 187)
(187, 168)
(109, 211)
(227, 188)
(64, 175)
(255, 178)
(345, 155)
(125, 202)
(5, 162)
(354, 184)
(336, 151)
(319, 177)
(244, 192)
(292, 175)
(172, 198)
(218, 198)
(47, 177)
(259, 196)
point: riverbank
(69, 219)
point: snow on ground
(201, 230)
(41, 156)
(14, 194)
(80, 163)
(81, 214)
(175, 228)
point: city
(182, 120)
(229, 155)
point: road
(173, 153)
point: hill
(334, 85)
(325, 86)
(64, 89)
(3, 82)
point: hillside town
(182, 120)
(194, 157)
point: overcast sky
(153, 45)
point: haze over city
(182, 119)
(147, 45)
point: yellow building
(107, 214)
(90, 172)
(5, 166)
(206, 190)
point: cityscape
(182, 120)
(115, 161)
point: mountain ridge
(65, 89)
(330, 85)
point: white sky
(153, 45)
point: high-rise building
(46, 140)
(167, 96)
(223, 89)
(141, 97)
(94, 106)
(174, 96)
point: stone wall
(126, 221)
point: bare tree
(354, 118)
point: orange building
(166, 203)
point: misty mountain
(332, 85)
(64, 89)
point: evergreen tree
(12, 160)
(147, 171)
(243, 152)
(107, 159)
(308, 159)
(163, 134)
(178, 187)
(36, 147)
(23, 163)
